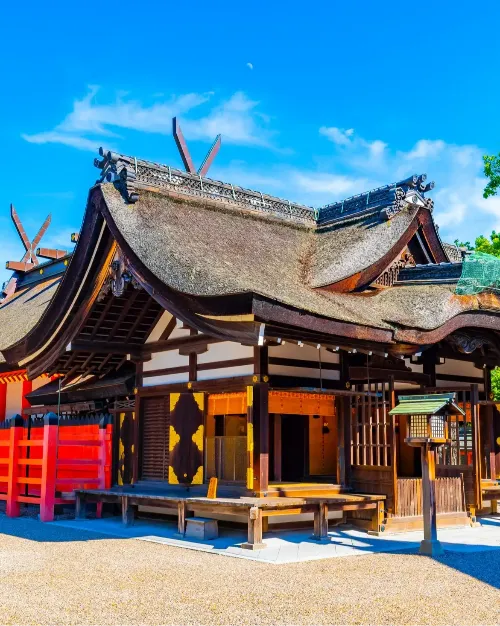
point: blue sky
(315, 102)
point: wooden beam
(51, 253)
(19, 266)
(105, 347)
(179, 342)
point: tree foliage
(495, 383)
(483, 244)
(492, 172)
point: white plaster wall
(225, 372)
(161, 360)
(150, 381)
(461, 368)
(225, 351)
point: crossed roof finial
(29, 259)
(186, 157)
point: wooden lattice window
(370, 427)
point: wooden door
(186, 439)
(155, 421)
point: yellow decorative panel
(174, 438)
(250, 478)
(250, 437)
(200, 400)
(198, 477)
(174, 398)
(198, 438)
(249, 395)
(172, 478)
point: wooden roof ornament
(186, 157)
(127, 172)
(29, 260)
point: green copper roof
(426, 405)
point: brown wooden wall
(374, 479)
(455, 471)
(449, 496)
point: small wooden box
(201, 528)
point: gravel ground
(52, 575)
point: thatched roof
(20, 312)
(204, 248)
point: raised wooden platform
(254, 509)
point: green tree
(495, 383)
(492, 172)
(483, 244)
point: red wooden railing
(43, 461)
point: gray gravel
(52, 575)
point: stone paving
(297, 546)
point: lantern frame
(427, 422)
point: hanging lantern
(427, 421)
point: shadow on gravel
(480, 561)
(33, 530)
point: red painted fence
(42, 460)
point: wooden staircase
(303, 490)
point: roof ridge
(133, 172)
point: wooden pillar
(394, 445)
(429, 359)
(344, 424)
(430, 545)
(277, 448)
(49, 467)
(136, 417)
(193, 360)
(321, 522)
(258, 437)
(16, 434)
(254, 530)
(490, 428)
(476, 444)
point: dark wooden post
(277, 448)
(258, 425)
(261, 436)
(136, 417)
(344, 424)
(394, 445)
(476, 444)
(490, 429)
(430, 545)
(429, 359)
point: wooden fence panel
(449, 496)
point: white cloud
(339, 136)
(336, 186)
(237, 119)
(82, 143)
(425, 148)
